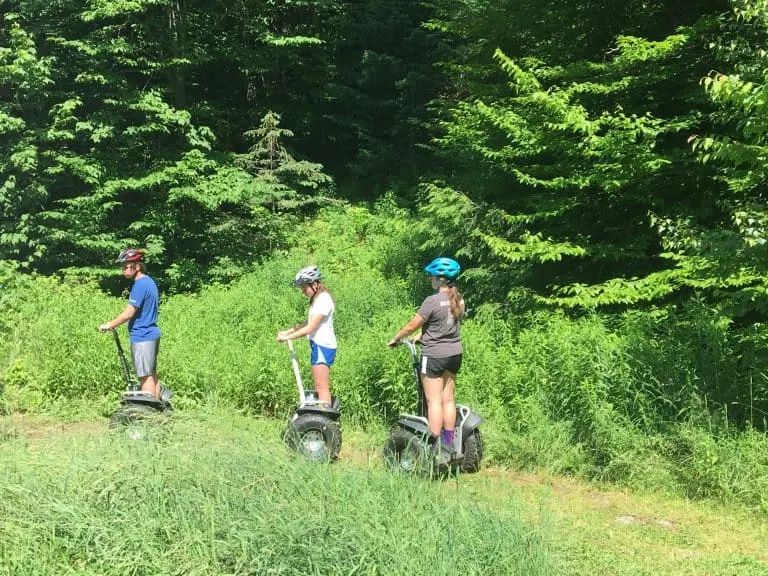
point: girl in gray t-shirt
(439, 318)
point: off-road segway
(315, 428)
(136, 406)
(407, 449)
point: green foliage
(601, 157)
(596, 396)
(723, 465)
(568, 162)
(372, 108)
(574, 181)
(25, 77)
(226, 498)
(94, 154)
(287, 184)
(104, 153)
(732, 258)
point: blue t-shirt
(144, 296)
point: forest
(597, 167)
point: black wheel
(405, 452)
(133, 420)
(473, 452)
(314, 437)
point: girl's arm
(301, 329)
(416, 322)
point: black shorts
(434, 367)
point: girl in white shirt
(318, 328)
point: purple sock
(447, 437)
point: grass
(219, 495)
(215, 493)
(601, 530)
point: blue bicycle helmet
(443, 267)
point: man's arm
(128, 312)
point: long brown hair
(457, 302)
(321, 288)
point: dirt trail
(33, 428)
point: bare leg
(151, 384)
(322, 374)
(449, 404)
(433, 390)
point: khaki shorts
(144, 355)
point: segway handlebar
(296, 372)
(411, 344)
(123, 361)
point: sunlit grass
(220, 495)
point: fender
(470, 424)
(330, 413)
(415, 426)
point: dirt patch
(34, 428)
(630, 520)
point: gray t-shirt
(440, 336)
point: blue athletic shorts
(321, 355)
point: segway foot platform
(143, 398)
(312, 405)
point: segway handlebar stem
(411, 346)
(123, 361)
(296, 372)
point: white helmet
(307, 275)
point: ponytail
(457, 302)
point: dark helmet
(443, 268)
(130, 255)
(307, 275)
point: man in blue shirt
(141, 315)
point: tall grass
(629, 398)
(212, 496)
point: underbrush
(668, 400)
